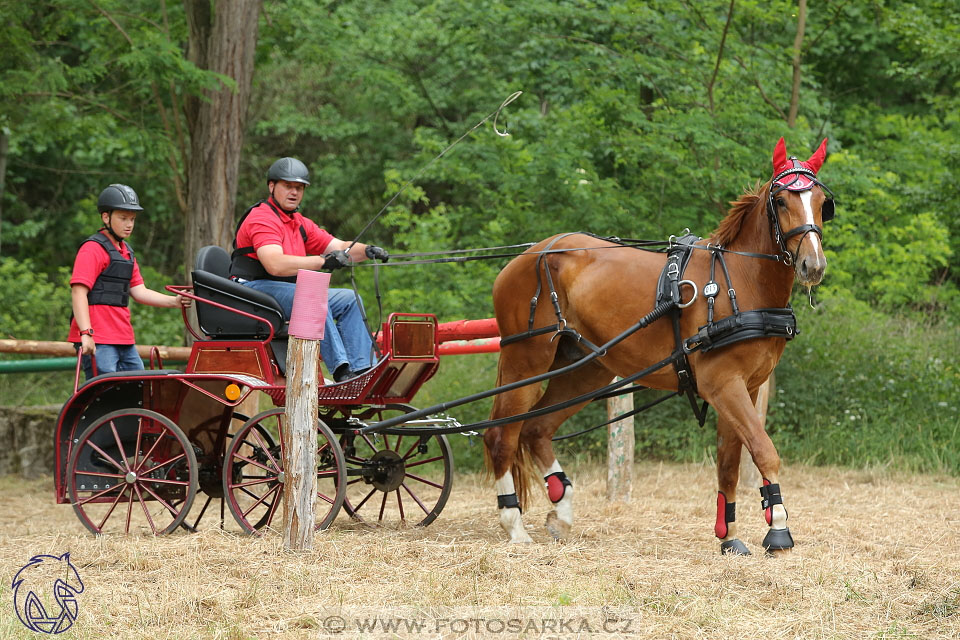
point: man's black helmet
(118, 196)
(289, 169)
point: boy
(105, 276)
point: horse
(600, 287)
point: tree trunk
(223, 38)
(797, 56)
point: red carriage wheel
(210, 471)
(132, 470)
(253, 473)
(396, 480)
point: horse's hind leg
(537, 434)
(502, 443)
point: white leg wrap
(510, 518)
(778, 517)
(560, 520)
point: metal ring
(695, 293)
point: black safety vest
(112, 287)
(243, 266)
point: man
(274, 240)
(105, 276)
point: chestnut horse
(603, 288)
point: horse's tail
(525, 474)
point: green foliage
(34, 306)
(862, 387)
(637, 119)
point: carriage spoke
(383, 506)
(163, 502)
(254, 463)
(100, 474)
(415, 498)
(110, 510)
(425, 481)
(400, 506)
(146, 511)
(256, 480)
(107, 456)
(116, 438)
(260, 500)
(162, 464)
(420, 462)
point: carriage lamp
(232, 392)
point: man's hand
(87, 345)
(377, 253)
(335, 260)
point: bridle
(777, 185)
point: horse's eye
(781, 202)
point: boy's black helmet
(118, 196)
(289, 169)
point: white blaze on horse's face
(811, 262)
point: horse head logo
(45, 593)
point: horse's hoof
(778, 540)
(521, 538)
(734, 548)
(559, 529)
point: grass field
(877, 556)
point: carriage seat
(211, 281)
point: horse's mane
(730, 226)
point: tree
(223, 38)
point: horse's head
(798, 204)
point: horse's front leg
(728, 476)
(737, 411)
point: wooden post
(300, 432)
(620, 442)
(749, 474)
(300, 443)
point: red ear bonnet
(796, 181)
(816, 160)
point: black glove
(335, 260)
(376, 253)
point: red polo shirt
(263, 226)
(111, 325)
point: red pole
(467, 330)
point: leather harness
(739, 326)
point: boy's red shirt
(111, 325)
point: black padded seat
(211, 281)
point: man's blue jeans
(345, 337)
(113, 357)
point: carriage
(157, 437)
(135, 449)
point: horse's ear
(779, 156)
(816, 160)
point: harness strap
(744, 325)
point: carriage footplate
(424, 426)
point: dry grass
(877, 557)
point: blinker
(827, 211)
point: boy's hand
(87, 346)
(184, 301)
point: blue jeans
(113, 357)
(345, 336)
